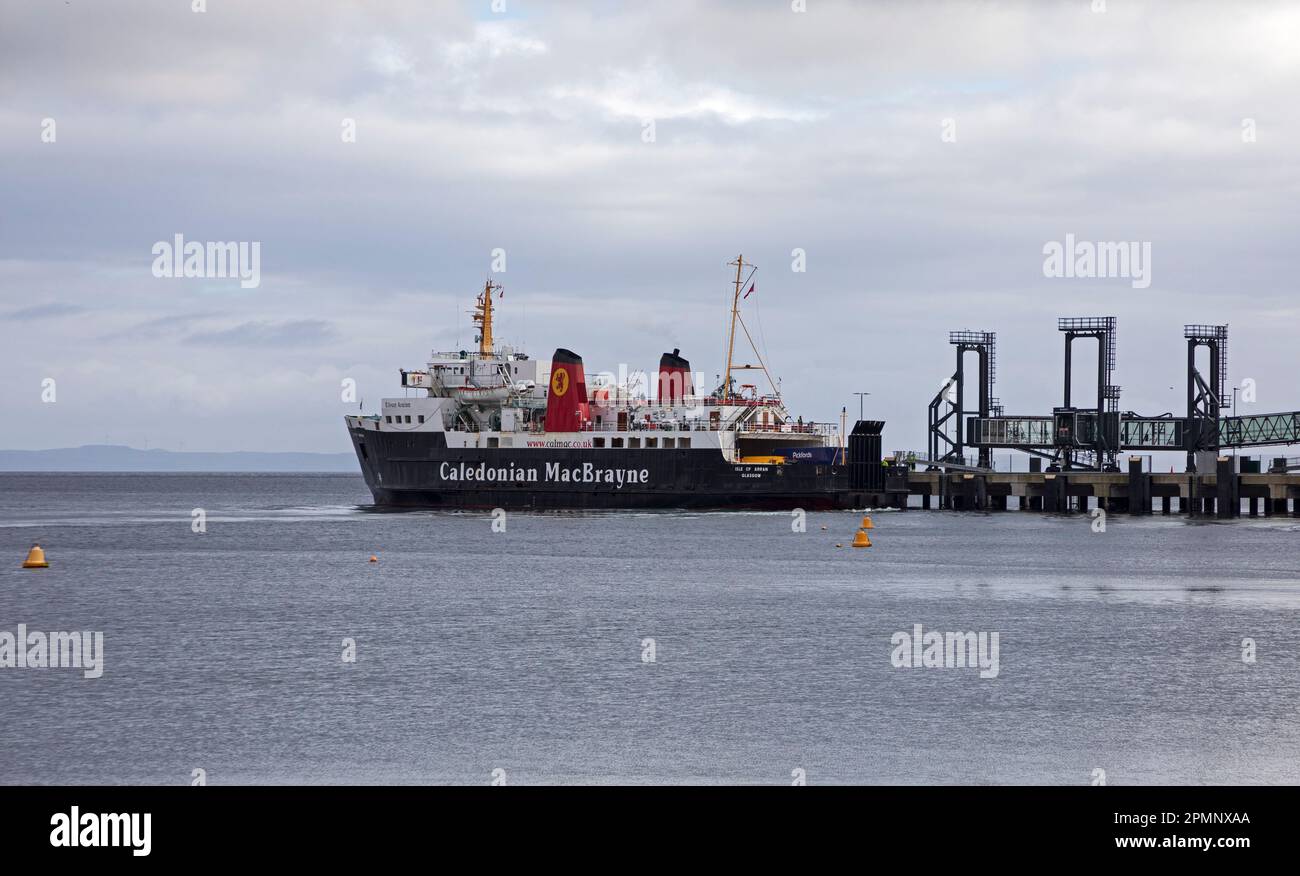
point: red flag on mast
(746, 295)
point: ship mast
(741, 264)
(731, 340)
(483, 318)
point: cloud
(775, 130)
(258, 334)
(43, 311)
(152, 329)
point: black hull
(418, 470)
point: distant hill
(115, 457)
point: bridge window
(388, 419)
(597, 442)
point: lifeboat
(479, 394)
(489, 394)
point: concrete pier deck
(1223, 493)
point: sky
(920, 156)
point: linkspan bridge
(1082, 444)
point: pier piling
(1227, 492)
(1214, 492)
(1139, 487)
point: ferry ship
(494, 428)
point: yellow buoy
(867, 524)
(861, 539)
(36, 559)
(374, 559)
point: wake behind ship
(494, 428)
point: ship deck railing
(775, 429)
(624, 399)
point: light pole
(1234, 416)
(861, 397)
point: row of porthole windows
(635, 443)
(388, 418)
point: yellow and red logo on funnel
(567, 408)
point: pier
(1225, 493)
(1086, 449)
